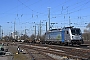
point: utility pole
(69, 21)
(40, 27)
(35, 31)
(38, 31)
(25, 33)
(2, 34)
(46, 26)
(0, 31)
(49, 16)
(14, 29)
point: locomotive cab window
(67, 32)
(76, 31)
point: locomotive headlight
(80, 37)
(72, 36)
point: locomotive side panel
(55, 37)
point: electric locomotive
(66, 36)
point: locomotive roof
(71, 27)
(54, 29)
(68, 27)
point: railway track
(55, 52)
(33, 54)
(36, 55)
(61, 51)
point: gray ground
(12, 54)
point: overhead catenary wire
(36, 2)
(73, 8)
(32, 4)
(67, 9)
(78, 9)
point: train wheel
(71, 44)
(66, 44)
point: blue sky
(25, 12)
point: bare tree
(86, 34)
(86, 31)
(88, 26)
(32, 38)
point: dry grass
(87, 41)
(13, 50)
(21, 57)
